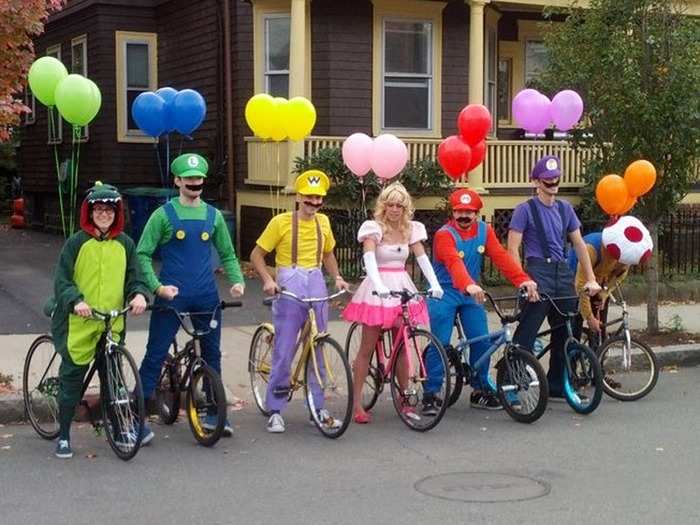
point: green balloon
(96, 102)
(76, 100)
(44, 76)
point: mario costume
(458, 254)
(185, 235)
(300, 246)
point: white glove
(435, 289)
(373, 273)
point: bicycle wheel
(372, 385)
(456, 374)
(409, 368)
(40, 386)
(260, 364)
(123, 407)
(628, 376)
(168, 389)
(583, 387)
(206, 405)
(328, 388)
(521, 385)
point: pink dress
(373, 310)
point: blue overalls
(187, 265)
(473, 315)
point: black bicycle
(583, 376)
(121, 395)
(185, 371)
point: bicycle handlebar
(552, 301)
(405, 295)
(307, 300)
(112, 314)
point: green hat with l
(189, 165)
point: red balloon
(474, 122)
(478, 154)
(454, 156)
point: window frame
(491, 83)
(82, 39)
(122, 39)
(267, 73)
(54, 51)
(30, 101)
(507, 118)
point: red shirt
(445, 251)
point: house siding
(455, 64)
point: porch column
(297, 72)
(476, 74)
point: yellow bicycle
(324, 374)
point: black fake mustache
(464, 221)
(194, 187)
(313, 205)
(550, 184)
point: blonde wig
(395, 193)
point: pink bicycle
(398, 359)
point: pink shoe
(362, 417)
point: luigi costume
(100, 269)
(185, 234)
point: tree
(636, 64)
(21, 20)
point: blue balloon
(168, 96)
(190, 110)
(148, 111)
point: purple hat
(548, 167)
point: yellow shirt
(278, 237)
(607, 272)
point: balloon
(531, 110)
(566, 109)
(388, 156)
(629, 204)
(168, 95)
(356, 152)
(148, 111)
(189, 110)
(75, 100)
(612, 194)
(478, 155)
(44, 76)
(454, 155)
(474, 122)
(280, 116)
(640, 177)
(96, 102)
(301, 118)
(259, 114)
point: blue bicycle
(521, 383)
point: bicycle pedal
(281, 390)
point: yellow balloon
(260, 115)
(278, 131)
(301, 118)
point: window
(407, 74)
(55, 122)
(136, 73)
(78, 65)
(30, 102)
(277, 29)
(536, 59)
(505, 83)
(490, 95)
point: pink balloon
(531, 110)
(356, 153)
(389, 156)
(566, 109)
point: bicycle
(121, 395)
(327, 363)
(583, 376)
(205, 394)
(630, 367)
(521, 383)
(405, 376)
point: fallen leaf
(659, 449)
(91, 455)
(483, 429)
(6, 436)
(6, 447)
(670, 368)
(577, 424)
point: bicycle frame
(499, 337)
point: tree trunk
(653, 282)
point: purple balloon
(531, 110)
(566, 109)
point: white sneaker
(327, 420)
(275, 424)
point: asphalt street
(626, 463)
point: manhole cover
(482, 487)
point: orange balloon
(631, 201)
(640, 177)
(612, 194)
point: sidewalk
(236, 342)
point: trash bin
(142, 202)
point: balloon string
(74, 168)
(156, 145)
(167, 160)
(52, 127)
(277, 186)
(364, 197)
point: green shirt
(159, 231)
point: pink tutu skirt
(373, 310)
